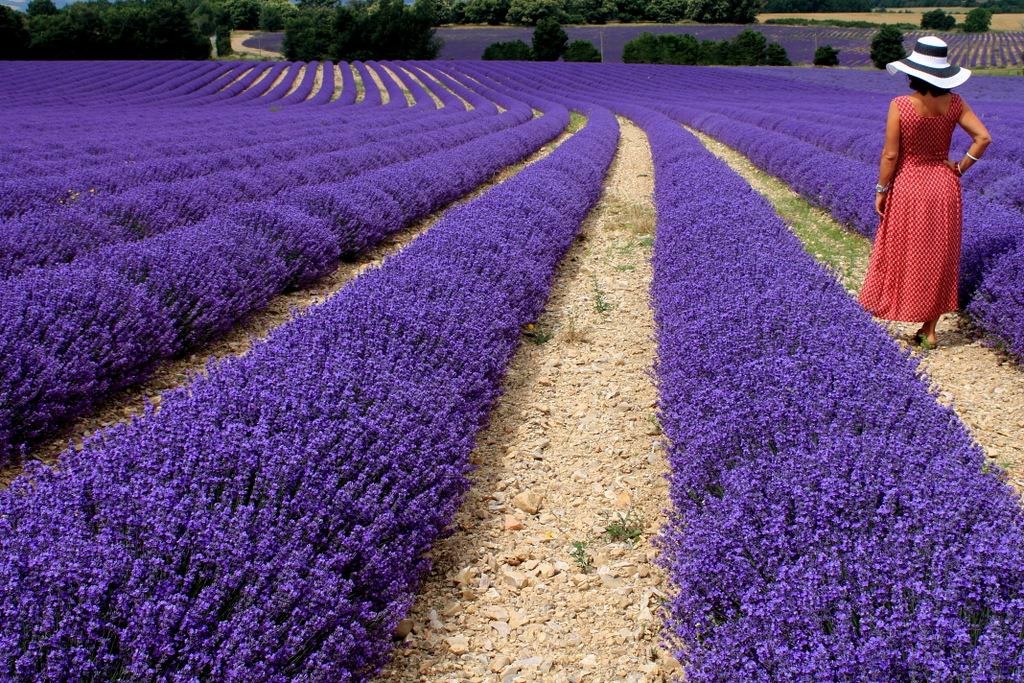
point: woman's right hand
(880, 203)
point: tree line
(361, 29)
(98, 29)
(531, 12)
(747, 48)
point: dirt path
(240, 339)
(571, 456)
(238, 39)
(984, 388)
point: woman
(915, 263)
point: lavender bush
(832, 520)
(199, 279)
(269, 522)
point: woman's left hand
(951, 165)
(880, 203)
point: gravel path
(238, 46)
(571, 454)
(178, 372)
(984, 388)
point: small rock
(496, 612)
(458, 644)
(404, 628)
(513, 578)
(623, 500)
(589, 662)
(527, 501)
(499, 663)
(547, 570)
(513, 523)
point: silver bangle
(972, 156)
(881, 189)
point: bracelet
(972, 156)
(959, 171)
(881, 189)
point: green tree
(437, 11)
(747, 48)
(667, 11)
(309, 35)
(644, 49)
(937, 20)
(14, 37)
(213, 19)
(631, 10)
(775, 55)
(457, 12)
(245, 14)
(512, 50)
(978, 20)
(826, 55)
(723, 11)
(549, 40)
(40, 8)
(589, 11)
(582, 51)
(887, 46)
(274, 14)
(491, 12)
(530, 12)
(668, 49)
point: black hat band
(923, 48)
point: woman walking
(915, 262)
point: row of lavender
(269, 522)
(160, 267)
(831, 520)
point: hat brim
(957, 78)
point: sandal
(928, 345)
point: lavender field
(277, 514)
(994, 49)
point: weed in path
(625, 527)
(538, 334)
(573, 332)
(580, 555)
(601, 305)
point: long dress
(915, 262)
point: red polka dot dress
(915, 262)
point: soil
(982, 385)
(238, 39)
(550, 573)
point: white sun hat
(928, 62)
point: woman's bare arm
(890, 153)
(970, 122)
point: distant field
(988, 50)
(1000, 22)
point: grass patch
(576, 121)
(843, 251)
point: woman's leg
(928, 331)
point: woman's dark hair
(926, 88)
